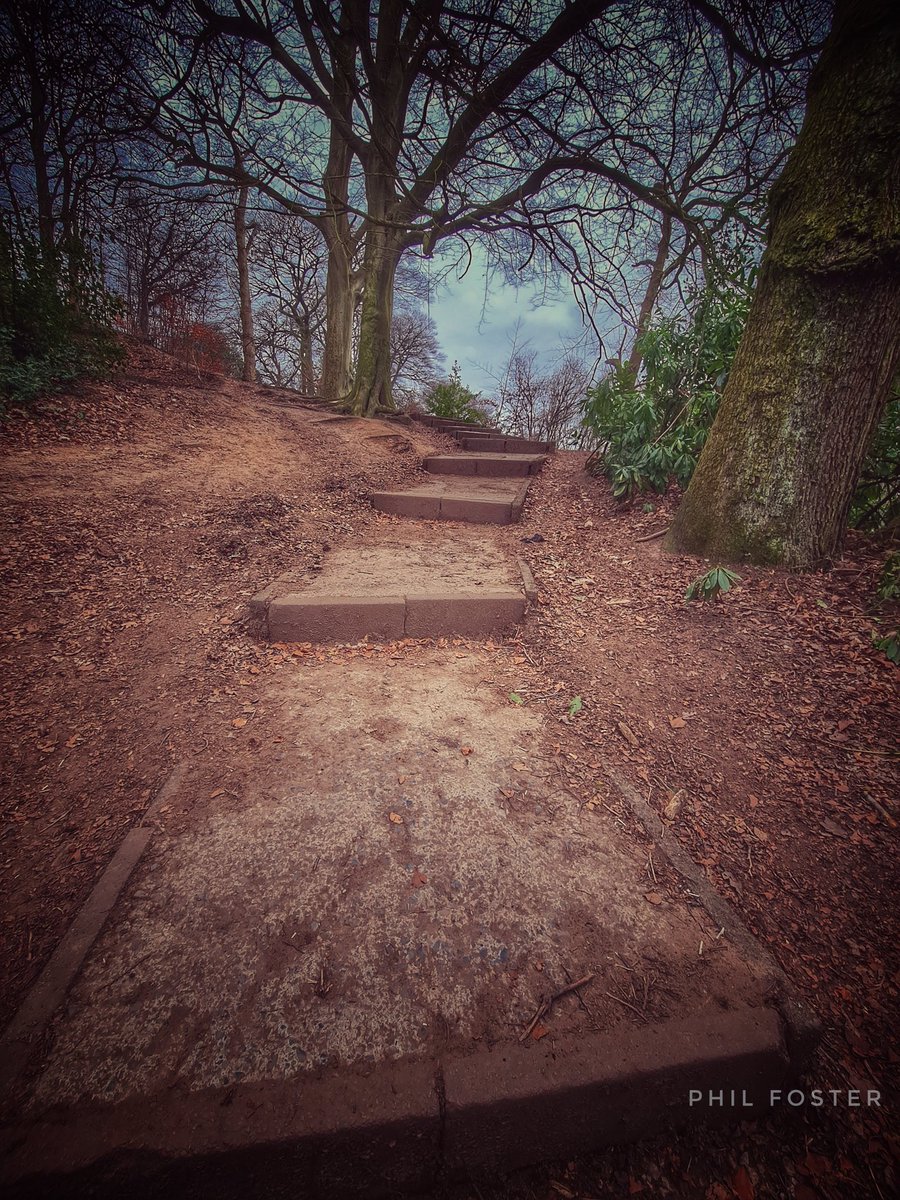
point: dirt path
(761, 729)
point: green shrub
(452, 399)
(876, 502)
(889, 583)
(55, 319)
(650, 430)
(890, 644)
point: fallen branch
(650, 537)
(545, 1005)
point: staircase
(460, 582)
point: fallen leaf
(653, 897)
(239, 722)
(395, 818)
(673, 807)
(465, 750)
(516, 698)
(539, 1031)
(218, 792)
(419, 880)
(626, 733)
(677, 722)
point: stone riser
(427, 507)
(485, 466)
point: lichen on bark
(822, 340)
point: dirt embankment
(138, 517)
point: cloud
(476, 326)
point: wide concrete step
(499, 444)
(445, 423)
(395, 590)
(485, 465)
(475, 435)
(478, 501)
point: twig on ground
(545, 1005)
(627, 1004)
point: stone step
(445, 423)
(461, 435)
(397, 590)
(485, 465)
(480, 501)
(505, 445)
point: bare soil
(140, 516)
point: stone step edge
(533, 463)
(456, 502)
(405, 1124)
(394, 617)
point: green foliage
(55, 318)
(890, 644)
(451, 398)
(652, 429)
(889, 583)
(876, 502)
(575, 706)
(712, 585)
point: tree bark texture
(822, 340)
(372, 391)
(245, 302)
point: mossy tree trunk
(822, 340)
(372, 390)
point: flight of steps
(406, 586)
(485, 483)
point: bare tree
(413, 122)
(63, 113)
(542, 405)
(417, 362)
(288, 285)
(164, 262)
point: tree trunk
(41, 159)
(651, 295)
(248, 341)
(340, 303)
(372, 390)
(307, 374)
(822, 340)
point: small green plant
(575, 706)
(889, 583)
(451, 398)
(890, 644)
(712, 585)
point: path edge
(22, 1036)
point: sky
(478, 332)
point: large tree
(394, 126)
(822, 341)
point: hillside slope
(138, 517)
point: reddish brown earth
(139, 517)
